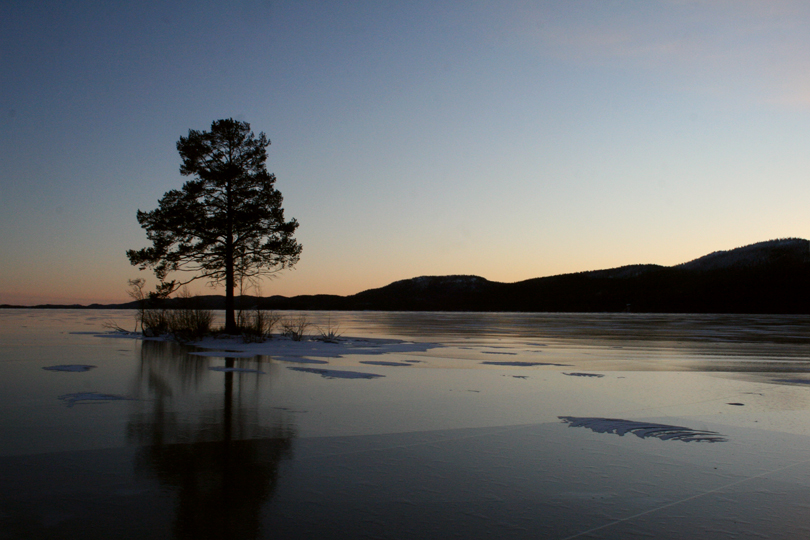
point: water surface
(461, 430)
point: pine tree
(226, 223)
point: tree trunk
(230, 319)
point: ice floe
(522, 364)
(76, 368)
(643, 429)
(287, 349)
(299, 360)
(384, 363)
(337, 373)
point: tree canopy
(226, 223)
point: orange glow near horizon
(307, 280)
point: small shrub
(154, 322)
(329, 334)
(294, 328)
(188, 322)
(135, 292)
(258, 325)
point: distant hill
(767, 277)
(772, 252)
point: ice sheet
(446, 448)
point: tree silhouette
(225, 222)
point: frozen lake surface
(413, 425)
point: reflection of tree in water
(221, 460)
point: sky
(509, 139)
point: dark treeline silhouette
(768, 277)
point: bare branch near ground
(294, 328)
